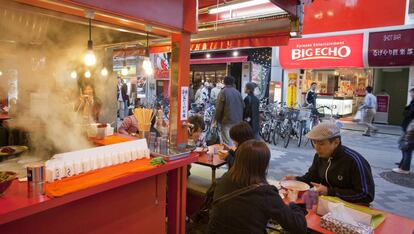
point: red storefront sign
(382, 103)
(161, 66)
(392, 48)
(323, 52)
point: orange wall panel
(340, 15)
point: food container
(36, 172)
(340, 227)
(295, 185)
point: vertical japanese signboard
(391, 48)
(184, 103)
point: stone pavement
(381, 152)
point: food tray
(173, 154)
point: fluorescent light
(293, 34)
(236, 6)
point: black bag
(212, 137)
(198, 223)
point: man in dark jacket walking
(251, 109)
(336, 169)
(229, 109)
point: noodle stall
(115, 187)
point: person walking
(368, 109)
(251, 109)
(215, 92)
(122, 99)
(229, 109)
(310, 97)
(406, 142)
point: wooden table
(392, 224)
(214, 164)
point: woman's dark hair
(251, 163)
(313, 83)
(229, 80)
(241, 132)
(197, 121)
(250, 86)
(368, 89)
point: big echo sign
(323, 52)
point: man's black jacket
(346, 174)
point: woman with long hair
(244, 202)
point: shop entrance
(394, 82)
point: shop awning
(239, 59)
(269, 40)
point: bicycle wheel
(300, 132)
(287, 134)
(276, 133)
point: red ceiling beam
(288, 5)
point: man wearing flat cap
(337, 170)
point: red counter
(132, 204)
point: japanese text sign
(392, 48)
(184, 103)
(323, 52)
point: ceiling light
(146, 64)
(208, 55)
(1, 73)
(293, 34)
(236, 6)
(90, 58)
(73, 75)
(124, 71)
(88, 74)
(235, 53)
(104, 72)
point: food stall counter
(130, 204)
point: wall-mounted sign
(392, 48)
(161, 63)
(184, 103)
(323, 52)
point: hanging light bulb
(104, 72)
(146, 64)
(1, 73)
(88, 74)
(73, 75)
(124, 71)
(90, 58)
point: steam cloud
(40, 52)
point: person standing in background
(122, 99)
(251, 109)
(310, 97)
(215, 92)
(229, 109)
(368, 109)
(406, 142)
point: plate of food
(294, 185)
(6, 177)
(12, 150)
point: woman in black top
(250, 212)
(239, 133)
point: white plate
(294, 185)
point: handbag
(212, 137)
(358, 116)
(198, 223)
